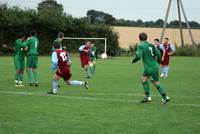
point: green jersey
(59, 41)
(19, 49)
(32, 45)
(93, 51)
(150, 56)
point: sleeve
(172, 48)
(157, 54)
(54, 60)
(138, 55)
(161, 46)
(81, 48)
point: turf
(111, 105)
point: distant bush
(188, 50)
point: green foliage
(188, 50)
(48, 20)
(100, 17)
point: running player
(61, 64)
(93, 57)
(19, 59)
(85, 59)
(169, 50)
(149, 55)
(32, 58)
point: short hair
(33, 32)
(157, 40)
(56, 45)
(21, 35)
(143, 36)
(166, 38)
(60, 35)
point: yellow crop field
(129, 35)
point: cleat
(21, 85)
(36, 84)
(51, 92)
(164, 101)
(86, 85)
(162, 75)
(146, 99)
(31, 84)
(58, 86)
(88, 77)
(16, 85)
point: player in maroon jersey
(61, 63)
(85, 59)
(168, 50)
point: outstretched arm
(138, 55)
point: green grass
(112, 105)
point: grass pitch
(111, 105)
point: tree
(100, 17)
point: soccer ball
(104, 56)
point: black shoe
(164, 101)
(86, 85)
(146, 99)
(58, 86)
(88, 77)
(31, 84)
(36, 84)
(51, 92)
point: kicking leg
(161, 91)
(77, 83)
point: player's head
(88, 44)
(166, 40)
(21, 36)
(33, 33)
(143, 36)
(56, 45)
(156, 41)
(60, 35)
(92, 44)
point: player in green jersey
(19, 59)
(150, 57)
(93, 57)
(32, 58)
(59, 40)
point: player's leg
(156, 83)
(93, 65)
(56, 77)
(67, 75)
(145, 84)
(87, 70)
(29, 69)
(17, 70)
(166, 71)
(21, 73)
(35, 70)
(162, 73)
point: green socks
(161, 90)
(35, 75)
(146, 88)
(30, 75)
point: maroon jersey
(166, 56)
(62, 59)
(64, 68)
(84, 56)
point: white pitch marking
(89, 98)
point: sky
(145, 10)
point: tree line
(48, 19)
(99, 17)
